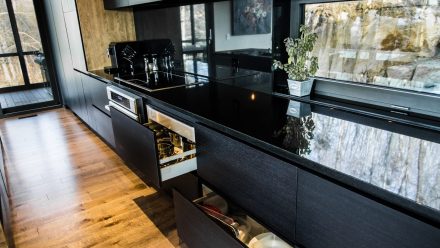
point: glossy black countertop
(392, 162)
(256, 52)
(100, 75)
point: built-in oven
(125, 102)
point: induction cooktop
(159, 80)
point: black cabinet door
(334, 217)
(5, 210)
(95, 92)
(261, 184)
(136, 145)
(196, 229)
(103, 126)
(99, 91)
(75, 40)
(88, 90)
(79, 106)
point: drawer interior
(236, 222)
(176, 154)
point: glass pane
(200, 25)
(7, 42)
(36, 67)
(185, 25)
(381, 42)
(27, 25)
(10, 72)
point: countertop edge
(87, 73)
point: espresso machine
(134, 57)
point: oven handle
(123, 110)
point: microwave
(126, 102)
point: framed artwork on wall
(251, 17)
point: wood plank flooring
(24, 97)
(68, 189)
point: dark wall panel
(159, 24)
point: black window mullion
(17, 40)
(193, 28)
(8, 55)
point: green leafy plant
(301, 64)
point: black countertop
(100, 75)
(256, 52)
(392, 162)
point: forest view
(10, 69)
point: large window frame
(20, 53)
(401, 101)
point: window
(379, 42)
(21, 59)
(194, 41)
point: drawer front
(259, 183)
(103, 126)
(136, 145)
(196, 229)
(99, 98)
(333, 217)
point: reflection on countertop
(404, 165)
(372, 150)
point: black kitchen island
(350, 178)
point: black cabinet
(136, 145)
(97, 91)
(334, 217)
(196, 229)
(103, 125)
(77, 97)
(256, 181)
(75, 40)
(5, 210)
(89, 103)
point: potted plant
(302, 65)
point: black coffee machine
(129, 57)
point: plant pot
(300, 88)
(299, 109)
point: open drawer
(212, 221)
(156, 151)
(176, 155)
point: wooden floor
(25, 97)
(70, 190)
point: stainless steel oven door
(123, 98)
